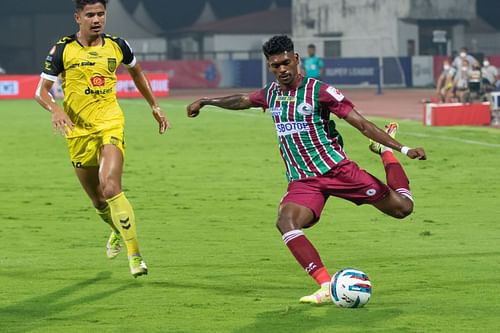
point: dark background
(28, 28)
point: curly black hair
(79, 4)
(277, 45)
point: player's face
(91, 19)
(284, 66)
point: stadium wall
(420, 71)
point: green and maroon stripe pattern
(305, 146)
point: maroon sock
(396, 176)
(306, 255)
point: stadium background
(216, 43)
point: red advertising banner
(185, 73)
(24, 86)
(18, 86)
(125, 86)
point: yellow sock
(105, 215)
(124, 220)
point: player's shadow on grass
(325, 318)
(31, 313)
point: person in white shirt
(464, 55)
(490, 76)
(444, 84)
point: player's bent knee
(293, 217)
(285, 225)
(111, 189)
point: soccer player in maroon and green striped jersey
(316, 165)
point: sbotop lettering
(291, 127)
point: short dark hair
(79, 4)
(311, 46)
(277, 45)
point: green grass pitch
(205, 196)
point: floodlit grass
(205, 196)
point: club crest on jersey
(286, 98)
(305, 109)
(111, 64)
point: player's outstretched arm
(60, 119)
(371, 131)
(144, 87)
(233, 102)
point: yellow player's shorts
(84, 151)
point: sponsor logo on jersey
(93, 54)
(335, 93)
(276, 111)
(371, 192)
(82, 64)
(111, 64)
(286, 98)
(98, 81)
(291, 127)
(90, 91)
(305, 109)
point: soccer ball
(350, 288)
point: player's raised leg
(122, 213)
(291, 219)
(89, 179)
(399, 202)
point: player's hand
(161, 119)
(417, 153)
(61, 122)
(193, 109)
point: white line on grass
(450, 138)
(257, 114)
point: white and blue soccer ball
(350, 288)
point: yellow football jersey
(88, 79)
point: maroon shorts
(347, 180)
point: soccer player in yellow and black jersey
(92, 120)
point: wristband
(404, 150)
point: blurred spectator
(444, 84)
(464, 55)
(461, 81)
(490, 76)
(313, 66)
(474, 84)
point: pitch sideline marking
(246, 114)
(450, 138)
